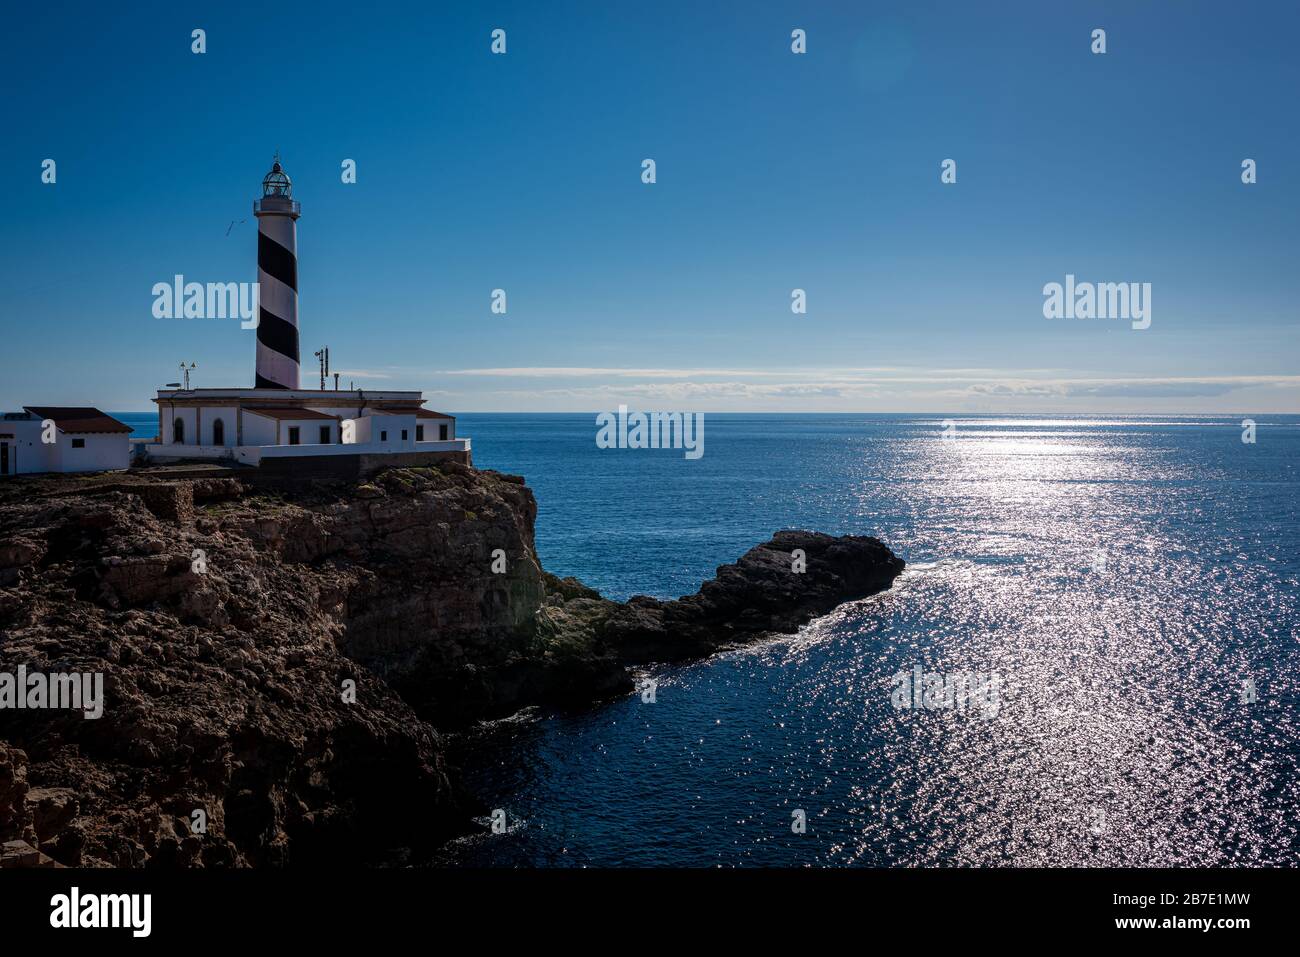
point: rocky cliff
(276, 659)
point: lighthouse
(277, 275)
(276, 426)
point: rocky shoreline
(281, 662)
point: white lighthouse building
(277, 425)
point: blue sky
(775, 171)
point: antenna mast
(323, 354)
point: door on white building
(4, 458)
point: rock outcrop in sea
(281, 662)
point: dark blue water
(1126, 578)
(144, 425)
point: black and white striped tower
(277, 273)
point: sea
(1125, 588)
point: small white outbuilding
(62, 439)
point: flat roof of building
(344, 396)
(84, 419)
